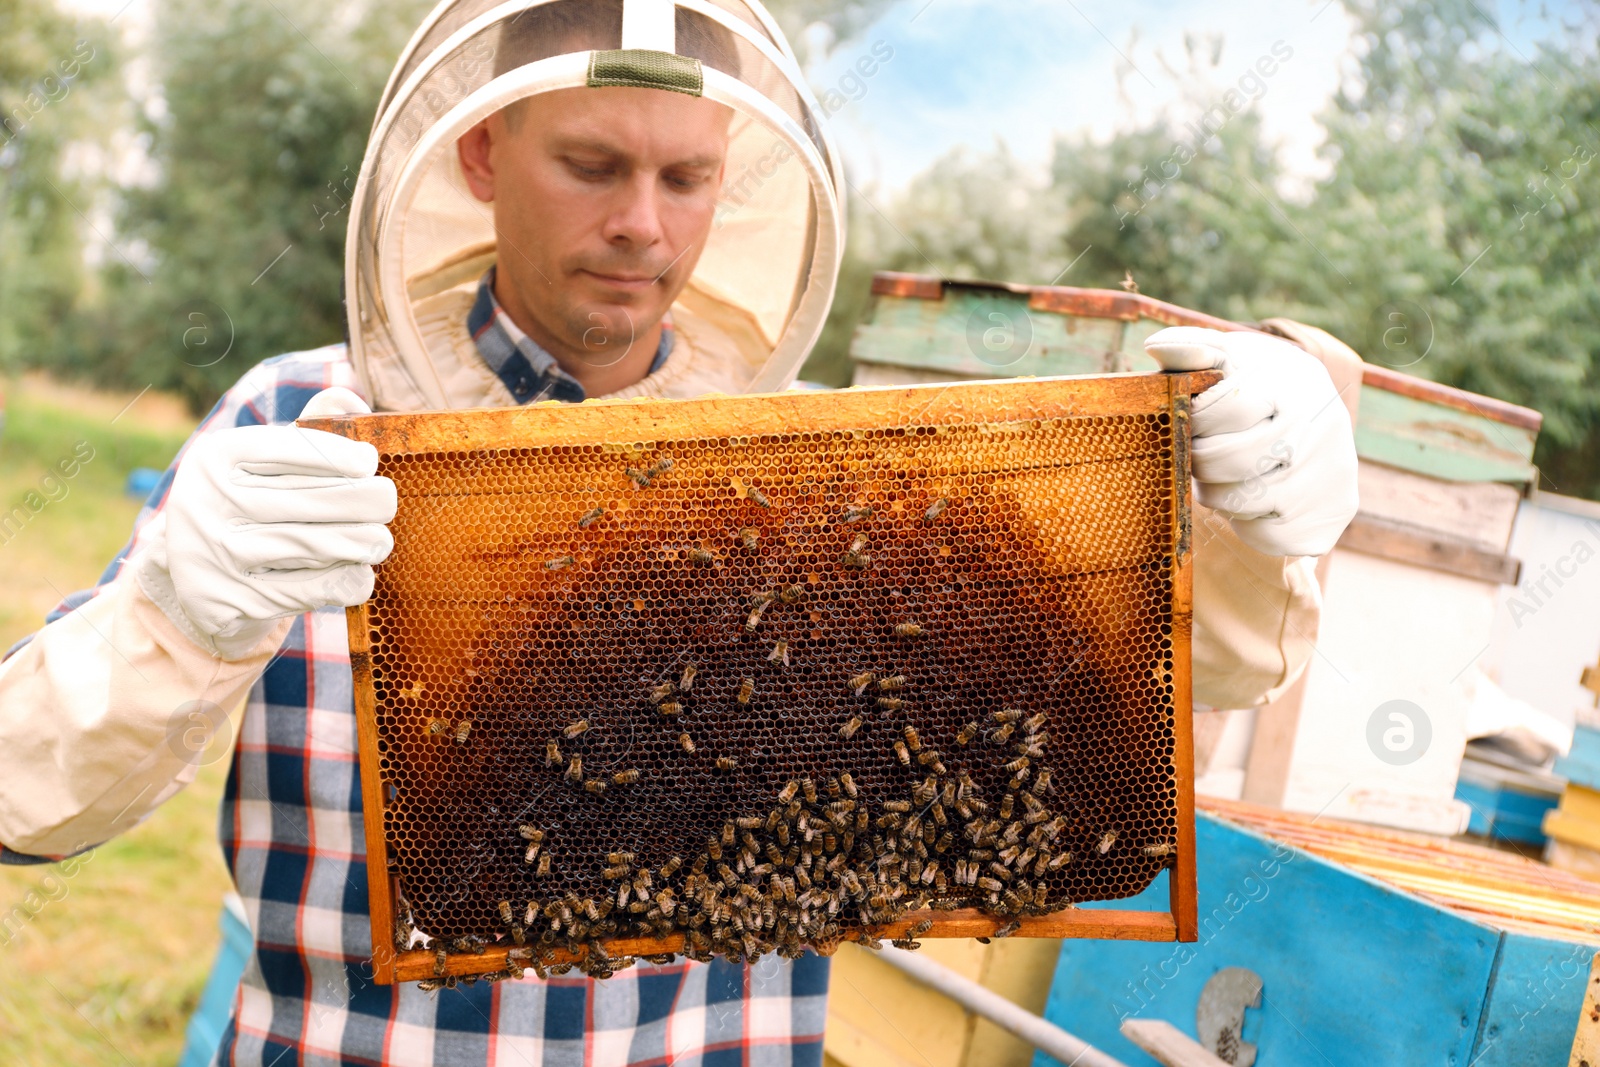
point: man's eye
(685, 182)
(582, 171)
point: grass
(111, 963)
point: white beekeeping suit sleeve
(105, 712)
(104, 715)
(1256, 614)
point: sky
(1022, 71)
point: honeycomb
(770, 691)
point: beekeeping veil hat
(767, 271)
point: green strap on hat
(644, 68)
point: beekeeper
(562, 200)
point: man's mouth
(631, 283)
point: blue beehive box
(1353, 970)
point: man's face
(603, 198)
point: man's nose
(636, 217)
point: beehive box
(752, 674)
(1371, 946)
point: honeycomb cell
(1006, 588)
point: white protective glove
(266, 522)
(1272, 445)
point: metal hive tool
(753, 674)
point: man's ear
(472, 149)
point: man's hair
(564, 26)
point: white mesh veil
(415, 231)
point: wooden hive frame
(403, 435)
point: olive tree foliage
(51, 66)
(255, 132)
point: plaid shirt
(292, 836)
(528, 370)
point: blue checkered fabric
(292, 834)
(527, 370)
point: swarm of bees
(828, 859)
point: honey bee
(1002, 733)
(891, 703)
(848, 730)
(543, 870)
(686, 683)
(595, 785)
(780, 651)
(575, 769)
(574, 729)
(860, 682)
(532, 853)
(935, 509)
(662, 466)
(1008, 929)
(856, 514)
(808, 789)
(638, 477)
(993, 885)
(792, 594)
(1034, 723)
(437, 726)
(967, 733)
(559, 563)
(612, 873)
(747, 687)
(505, 912)
(1007, 805)
(787, 793)
(1163, 848)
(856, 560)
(754, 618)
(902, 753)
(849, 784)
(702, 557)
(1059, 860)
(552, 753)
(1107, 839)
(662, 692)
(901, 806)
(530, 832)
(463, 729)
(670, 708)
(913, 742)
(1018, 764)
(749, 538)
(429, 985)
(908, 629)
(757, 497)
(686, 743)
(627, 777)
(590, 517)
(726, 763)
(441, 958)
(892, 683)
(1007, 715)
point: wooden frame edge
(1183, 877)
(1101, 923)
(380, 888)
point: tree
(48, 68)
(257, 135)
